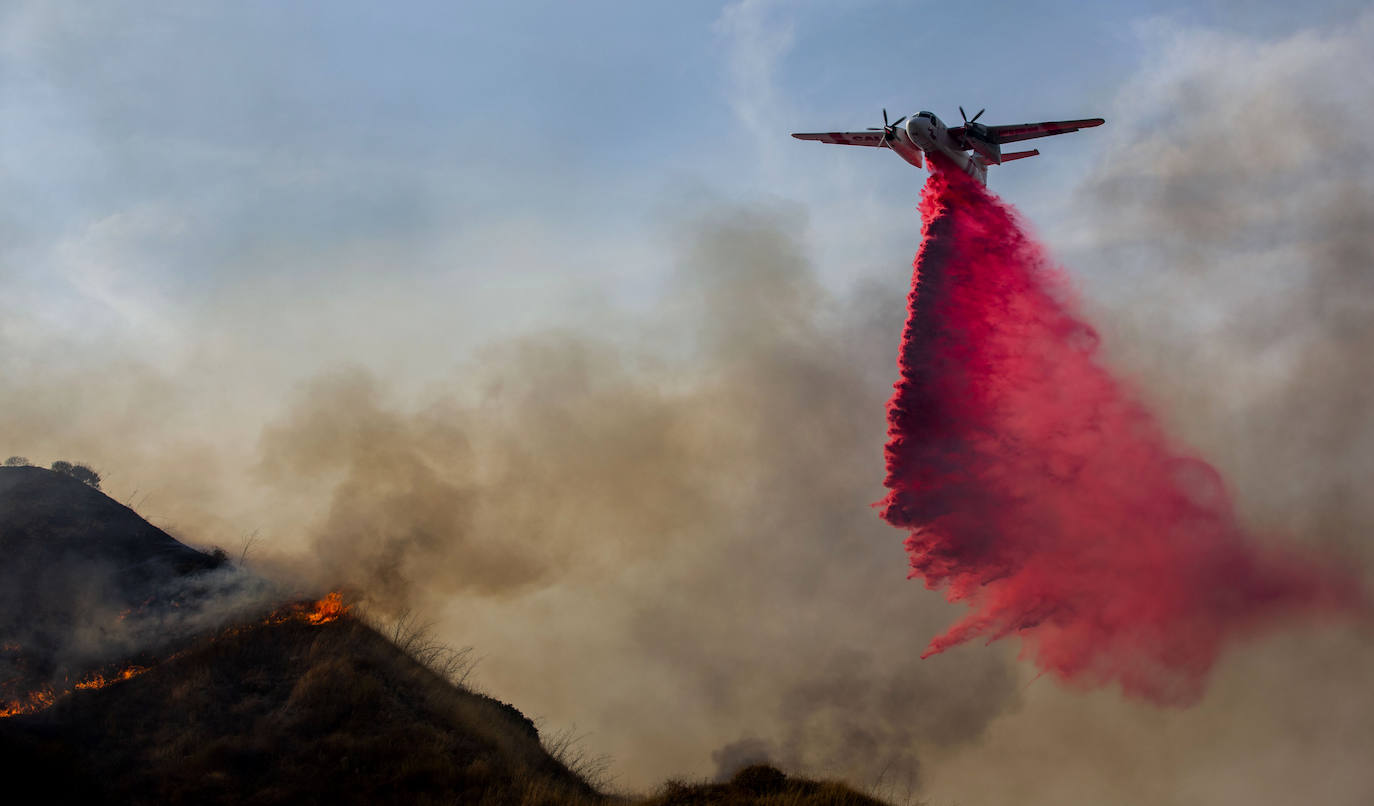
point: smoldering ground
(86, 584)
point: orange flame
(98, 680)
(39, 699)
(330, 608)
(35, 701)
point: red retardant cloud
(1041, 493)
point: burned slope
(279, 706)
(276, 709)
(288, 712)
(85, 581)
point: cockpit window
(925, 115)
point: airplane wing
(845, 138)
(1030, 131)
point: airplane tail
(978, 164)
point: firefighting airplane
(925, 133)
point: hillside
(290, 713)
(284, 705)
(85, 581)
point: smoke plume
(677, 523)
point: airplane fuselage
(924, 133)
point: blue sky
(428, 108)
(272, 127)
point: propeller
(974, 119)
(889, 129)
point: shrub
(567, 749)
(17, 461)
(81, 473)
(760, 779)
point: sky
(531, 318)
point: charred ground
(290, 713)
(257, 709)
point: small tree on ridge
(81, 473)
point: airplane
(926, 134)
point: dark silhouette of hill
(84, 580)
(289, 713)
(60, 525)
(273, 706)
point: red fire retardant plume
(1039, 492)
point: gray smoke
(693, 524)
(654, 523)
(735, 756)
(1244, 237)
